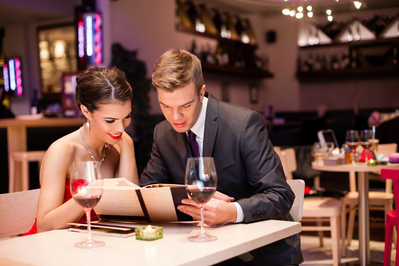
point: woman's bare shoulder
(66, 144)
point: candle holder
(149, 233)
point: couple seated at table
(251, 181)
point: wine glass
(365, 141)
(201, 181)
(318, 152)
(352, 140)
(87, 189)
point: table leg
(364, 215)
(16, 141)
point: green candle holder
(149, 233)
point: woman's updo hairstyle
(98, 86)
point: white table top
(57, 247)
(359, 167)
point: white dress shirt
(198, 130)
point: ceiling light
(286, 11)
(310, 14)
(299, 15)
(328, 11)
(300, 9)
(357, 4)
(330, 18)
(292, 13)
(309, 8)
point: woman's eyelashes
(110, 121)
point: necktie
(194, 144)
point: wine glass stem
(88, 210)
(202, 220)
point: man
(248, 169)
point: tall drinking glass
(201, 181)
(87, 189)
(365, 140)
(352, 140)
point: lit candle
(149, 233)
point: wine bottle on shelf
(323, 63)
(334, 62)
(317, 64)
(310, 62)
(225, 57)
(353, 58)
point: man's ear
(202, 92)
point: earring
(88, 126)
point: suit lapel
(211, 126)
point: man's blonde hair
(176, 69)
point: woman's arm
(127, 167)
(52, 213)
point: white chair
(318, 210)
(24, 157)
(286, 156)
(18, 212)
(298, 187)
(378, 200)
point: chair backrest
(288, 160)
(298, 187)
(387, 148)
(17, 212)
(393, 175)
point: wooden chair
(298, 187)
(286, 156)
(18, 212)
(391, 218)
(318, 210)
(379, 200)
(23, 157)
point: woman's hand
(125, 142)
(127, 161)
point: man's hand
(216, 211)
(221, 196)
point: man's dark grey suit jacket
(248, 169)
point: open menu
(153, 203)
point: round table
(363, 189)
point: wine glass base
(90, 244)
(202, 238)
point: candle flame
(149, 228)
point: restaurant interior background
(279, 86)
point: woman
(104, 97)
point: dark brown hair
(176, 69)
(98, 86)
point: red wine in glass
(87, 201)
(201, 181)
(87, 189)
(365, 145)
(352, 146)
(352, 140)
(201, 196)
